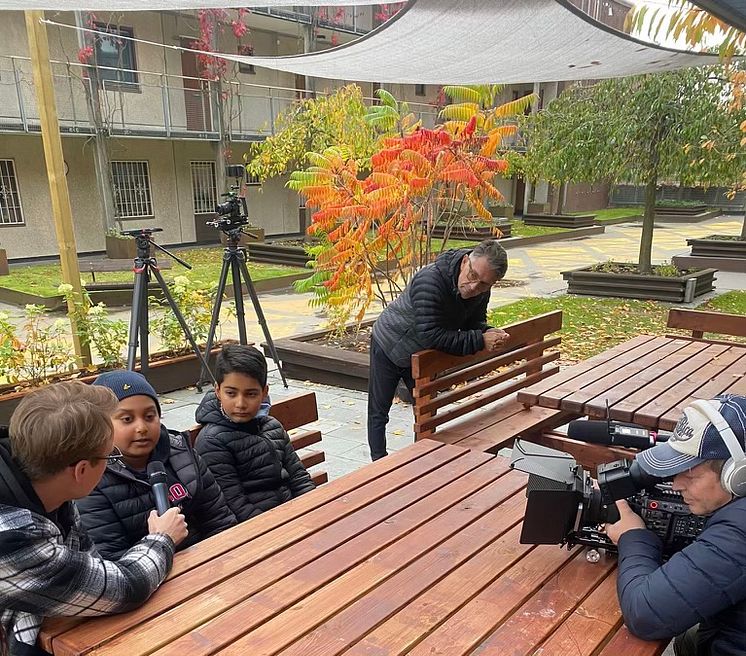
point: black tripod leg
(134, 322)
(215, 317)
(144, 324)
(262, 320)
(180, 317)
(238, 296)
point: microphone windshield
(156, 472)
(589, 430)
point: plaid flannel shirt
(43, 574)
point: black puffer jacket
(253, 462)
(116, 513)
(704, 583)
(430, 313)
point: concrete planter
(725, 254)
(4, 270)
(322, 364)
(685, 214)
(560, 220)
(120, 248)
(537, 208)
(677, 289)
(474, 233)
(502, 211)
(165, 375)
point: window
(117, 55)
(246, 51)
(10, 199)
(252, 180)
(204, 187)
(419, 90)
(132, 197)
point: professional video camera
(233, 213)
(564, 506)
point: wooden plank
(651, 412)
(605, 387)
(464, 630)
(312, 458)
(319, 478)
(547, 609)
(304, 439)
(707, 322)
(319, 558)
(465, 408)
(430, 362)
(590, 625)
(487, 382)
(256, 539)
(665, 375)
(628, 350)
(625, 643)
(295, 411)
(524, 424)
(266, 615)
(393, 616)
(588, 455)
(448, 380)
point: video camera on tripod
(565, 507)
(232, 214)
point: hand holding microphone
(164, 519)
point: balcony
(156, 105)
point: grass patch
(591, 325)
(43, 279)
(520, 229)
(613, 213)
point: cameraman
(699, 595)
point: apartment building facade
(143, 101)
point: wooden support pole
(50, 134)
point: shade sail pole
(50, 134)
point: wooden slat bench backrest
(707, 322)
(522, 361)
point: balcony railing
(158, 105)
(346, 19)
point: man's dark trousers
(384, 377)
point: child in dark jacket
(249, 453)
(115, 513)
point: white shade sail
(483, 41)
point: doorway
(196, 92)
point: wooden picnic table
(417, 553)
(647, 380)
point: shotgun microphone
(613, 433)
(158, 479)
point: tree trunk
(743, 225)
(648, 222)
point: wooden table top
(417, 553)
(647, 380)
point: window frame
(117, 197)
(103, 76)
(214, 199)
(420, 90)
(15, 190)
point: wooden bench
(476, 395)
(105, 266)
(707, 322)
(293, 413)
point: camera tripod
(234, 258)
(145, 267)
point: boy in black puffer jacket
(115, 513)
(250, 455)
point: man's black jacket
(430, 313)
(704, 583)
(115, 514)
(253, 462)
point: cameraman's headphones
(733, 476)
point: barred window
(204, 187)
(131, 182)
(10, 200)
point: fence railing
(712, 196)
(154, 105)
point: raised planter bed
(4, 270)
(279, 253)
(502, 211)
(322, 364)
(475, 233)
(560, 220)
(676, 289)
(689, 214)
(718, 251)
(120, 248)
(537, 208)
(165, 375)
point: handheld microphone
(613, 433)
(158, 479)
